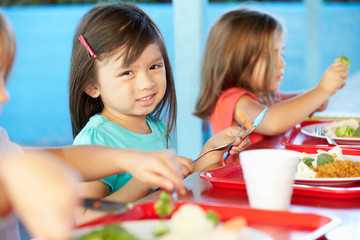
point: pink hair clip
(88, 48)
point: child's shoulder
(95, 131)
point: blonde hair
(7, 46)
(236, 42)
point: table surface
(348, 210)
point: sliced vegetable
(109, 232)
(212, 216)
(344, 60)
(344, 130)
(235, 223)
(324, 158)
(160, 229)
(308, 160)
(357, 132)
(245, 120)
(163, 206)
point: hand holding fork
(251, 127)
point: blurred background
(37, 113)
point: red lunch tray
(231, 176)
(295, 138)
(312, 225)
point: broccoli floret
(344, 60)
(160, 229)
(308, 160)
(344, 130)
(324, 158)
(110, 232)
(163, 207)
(213, 217)
(357, 132)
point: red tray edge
(289, 137)
(317, 224)
(299, 189)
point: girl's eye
(127, 73)
(155, 66)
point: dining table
(315, 212)
(344, 211)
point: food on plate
(329, 164)
(163, 207)
(193, 222)
(344, 60)
(190, 221)
(113, 232)
(245, 120)
(343, 128)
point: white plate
(310, 131)
(143, 230)
(330, 181)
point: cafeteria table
(346, 211)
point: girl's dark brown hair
(107, 28)
(8, 46)
(237, 40)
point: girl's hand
(186, 165)
(321, 108)
(227, 136)
(240, 144)
(333, 78)
(159, 168)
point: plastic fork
(321, 132)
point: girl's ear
(92, 90)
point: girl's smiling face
(258, 76)
(133, 90)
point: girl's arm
(132, 191)
(158, 168)
(283, 116)
(41, 189)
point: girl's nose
(4, 96)
(145, 81)
(280, 62)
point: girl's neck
(135, 124)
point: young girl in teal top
(37, 185)
(122, 94)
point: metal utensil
(319, 130)
(103, 205)
(255, 123)
(222, 147)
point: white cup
(269, 176)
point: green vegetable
(344, 60)
(308, 160)
(212, 216)
(324, 158)
(160, 229)
(357, 132)
(110, 232)
(163, 206)
(344, 130)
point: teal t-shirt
(100, 131)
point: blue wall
(37, 113)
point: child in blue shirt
(122, 94)
(39, 184)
